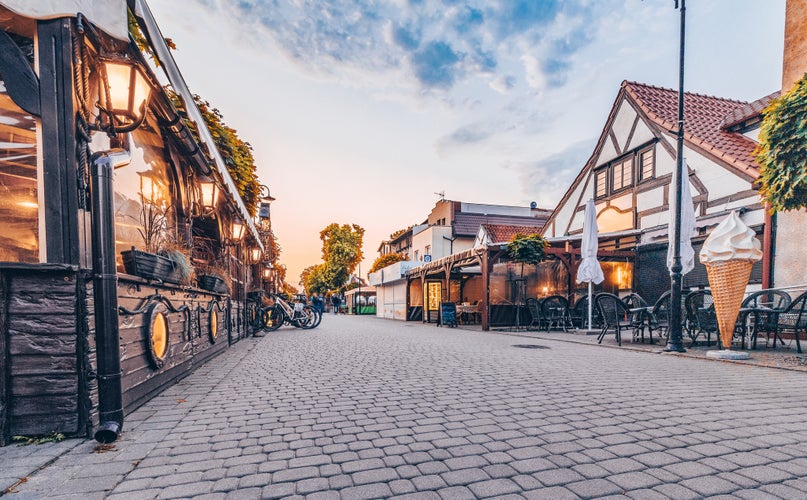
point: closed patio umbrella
(589, 269)
(687, 226)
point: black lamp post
(675, 340)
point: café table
(468, 313)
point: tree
(341, 254)
(782, 150)
(386, 260)
(527, 249)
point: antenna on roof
(441, 194)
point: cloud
(546, 180)
(435, 45)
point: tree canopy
(341, 254)
(527, 249)
(782, 150)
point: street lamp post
(675, 342)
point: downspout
(105, 294)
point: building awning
(163, 54)
(107, 15)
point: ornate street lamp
(123, 96)
(208, 194)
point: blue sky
(359, 111)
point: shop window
(145, 200)
(19, 191)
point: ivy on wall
(782, 150)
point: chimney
(794, 63)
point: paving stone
(456, 493)
(556, 477)
(591, 488)
(709, 485)
(494, 487)
(554, 493)
(367, 491)
(464, 477)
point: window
(647, 164)
(428, 250)
(622, 174)
(600, 183)
(19, 196)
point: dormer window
(622, 174)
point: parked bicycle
(280, 312)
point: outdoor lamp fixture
(237, 230)
(124, 94)
(208, 193)
(255, 254)
(266, 199)
(267, 273)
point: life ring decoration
(157, 334)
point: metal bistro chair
(793, 319)
(764, 316)
(639, 316)
(579, 313)
(555, 310)
(615, 316)
(700, 316)
(536, 318)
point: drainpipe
(105, 294)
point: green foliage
(527, 249)
(237, 155)
(782, 150)
(386, 260)
(341, 254)
(53, 437)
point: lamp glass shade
(255, 254)
(128, 88)
(208, 194)
(267, 273)
(238, 230)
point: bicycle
(280, 312)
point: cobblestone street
(365, 408)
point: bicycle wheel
(305, 318)
(272, 317)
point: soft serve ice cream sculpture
(728, 254)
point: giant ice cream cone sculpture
(728, 254)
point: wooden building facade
(90, 184)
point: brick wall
(795, 56)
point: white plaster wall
(650, 199)
(480, 208)
(719, 181)
(433, 236)
(733, 205)
(607, 153)
(567, 212)
(622, 124)
(641, 135)
(624, 202)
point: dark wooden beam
(58, 141)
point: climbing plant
(385, 260)
(782, 150)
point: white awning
(107, 15)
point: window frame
(640, 163)
(624, 161)
(601, 172)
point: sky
(360, 111)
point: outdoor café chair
(760, 312)
(700, 316)
(536, 318)
(792, 320)
(639, 315)
(615, 316)
(659, 319)
(579, 313)
(555, 310)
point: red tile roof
(501, 233)
(749, 111)
(466, 224)
(703, 129)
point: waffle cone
(728, 280)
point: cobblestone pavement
(368, 408)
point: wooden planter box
(212, 283)
(148, 265)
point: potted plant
(214, 279)
(183, 271)
(148, 263)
